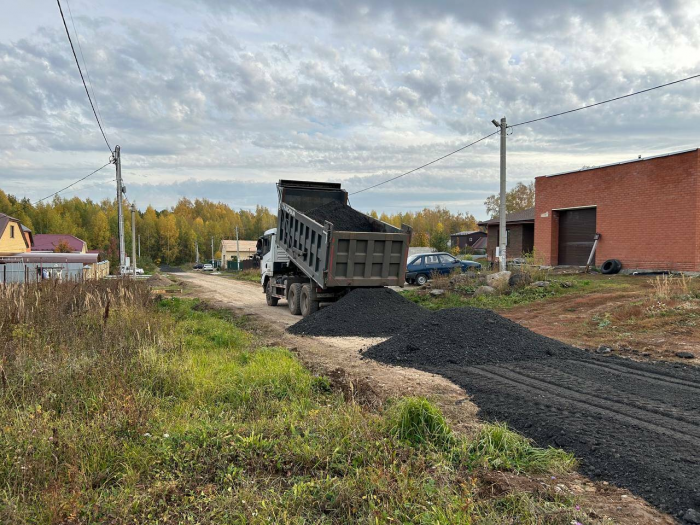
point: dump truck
(322, 248)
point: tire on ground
(611, 266)
(271, 301)
(293, 298)
(307, 301)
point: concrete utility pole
(133, 238)
(238, 252)
(212, 249)
(139, 245)
(196, 251)
(502, 232)
(120, 213)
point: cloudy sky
(220, 98)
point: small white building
(228, 250)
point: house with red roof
(48, 242)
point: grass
(252, 275)
(115, 409)
(463, 294)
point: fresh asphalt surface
(634, 424)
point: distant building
(40, 266)
(13, 238)
(467, 238)
(47, 242)
(520, 234)
(229, 253)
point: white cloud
(239, 97)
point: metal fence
(28, 272)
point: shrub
(499, 448)
(417, 421)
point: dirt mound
(342, 216)
(466, 337)
(158, 280)
(364, 312)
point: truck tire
(307, 301)
(611, 266)
(271, 301)
(293, 298)
(421, 279)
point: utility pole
(502, 232)
(196, 251)
(120, 213)
(133, 238)
(139, 245)
(212, 249)
(238, 252)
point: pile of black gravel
(364, 312)
(466, 337)
(342, 216)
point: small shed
(466, 238)
(520, 234)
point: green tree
(169, 237)
(99, 232)
(519, 198)
(439, 238)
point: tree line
(170, 235)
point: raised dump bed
(335, 245)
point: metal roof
(517, 216)
(467, 233)
(48, 257)
(642, 159)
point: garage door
(576, 231)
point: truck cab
(273, 259)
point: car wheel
(421, 279)
(293, 298)
(307, 301)
(271, 301)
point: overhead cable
(81, 75)
(605, 101)
(71, 185)
(87, 71)
(427, 164)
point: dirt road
(370, 383)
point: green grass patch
(173, 413)
(463, 295)
(252, 276)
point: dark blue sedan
(421, 266)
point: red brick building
(647, 212)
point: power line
(80, 48)
(605, 101)
(81, 75)
(427, 164)
(71, 185)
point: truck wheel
(421, 279)
(307, 303)
(271, 301)
(293, 298)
